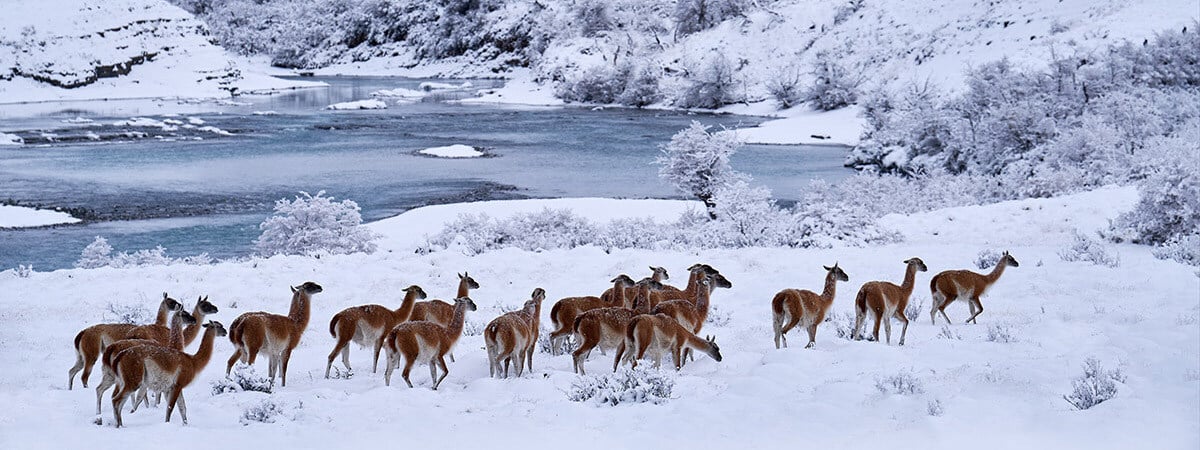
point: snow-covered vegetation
(314, 225)
(358, 104)
(100, 254)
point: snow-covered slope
(105, 49)
(998, 384)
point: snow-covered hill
(106, 49)
(996, 384)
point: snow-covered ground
(452, 151)
(358, 104)
(1045, 317)
(838, 127)
(12, 216)
(116, 49)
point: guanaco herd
(632, 319)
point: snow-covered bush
(696, 162)
(1001, 333)
(597, 84)
(1087, 249)
(641, 88)
(717, 317)
(1184, 249)
(122, 313)
(903, 383)
(100, 254)
(784, 87)
(934, 408)
(833, 86)
(548, 229)
(711, 84)
(987, 258)
(96, 254)
(242, 378)
(1095, 386)
(913, 310)
(949, 333)
(1169, 198)
(639, 385)
(24, 271)
(747, 217)
(267, 410)
(698, 15)
(843, 324)
(313, 225)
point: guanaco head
(538, 295)
(416, 290)
(705, 267)
(1008, 259)
(649, 283)
(216, 326)
(720, 281)
(839, 274)
(715, 351)
(918, 263)
(186, 318)
(470, 281)
(205, 306)
(623, 279)
(660, 272)
(170, 303)
(308, 288)
(465, 301)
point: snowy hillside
(104, 49)
(997, 384)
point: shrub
(268, 410)
(1095, 386)
(99, 254)
(1001, 333)
(1087, 249)
(784, 87)
(949, 333)
(903, 383)
(833, 87)
(913, 310)
(243, 378)
(313, 225)
(95, 254)
(24, 271)
(1184, 249)
(1168, 206)
(135, 314)
(717, 317)
(698, 15)
(711, 85)
(934, 408)
(597, 84)
(843, 324)
(642, 88)
(987, 258)
(639, 385)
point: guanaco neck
(405, 310)
(693, 281)
(200, 359)
(161, 318)
(618, 295)
(456, 324)
(830, 287)
(191, 331)
(300, 310)
(702, 298)
(464, 289)
(641, 302)
(176, 338)
(537, 315)
(910, 277)
(701, 345)
(994, 275)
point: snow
(1141, 318)
(452, 151)
(358, 104)
(436, 86)
(402, 93)
(166, 50)
(12, 216)
(10, 139)
(840, 127)
(521, 89)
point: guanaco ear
(165, 296)
(829, 269)
(294, 289)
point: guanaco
(367, 325)
(793, 306)
(695, 272)
(440, 312)
(885, 300)
(160, 333)
(952, 284)
(277, 335)
(692, 314)
(665, 335)
(657, 273)
(91, 342)
(425, 341)
(162, 369)
(566, 310)
(605, 327)
(512, 337)
(175, 341)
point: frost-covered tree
(698, 15)
(697, 163)
(96, 254)
(712, 84)
(312, 225)
(833, 86)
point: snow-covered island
(452, 151)
(12, 216)
(358, 104)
